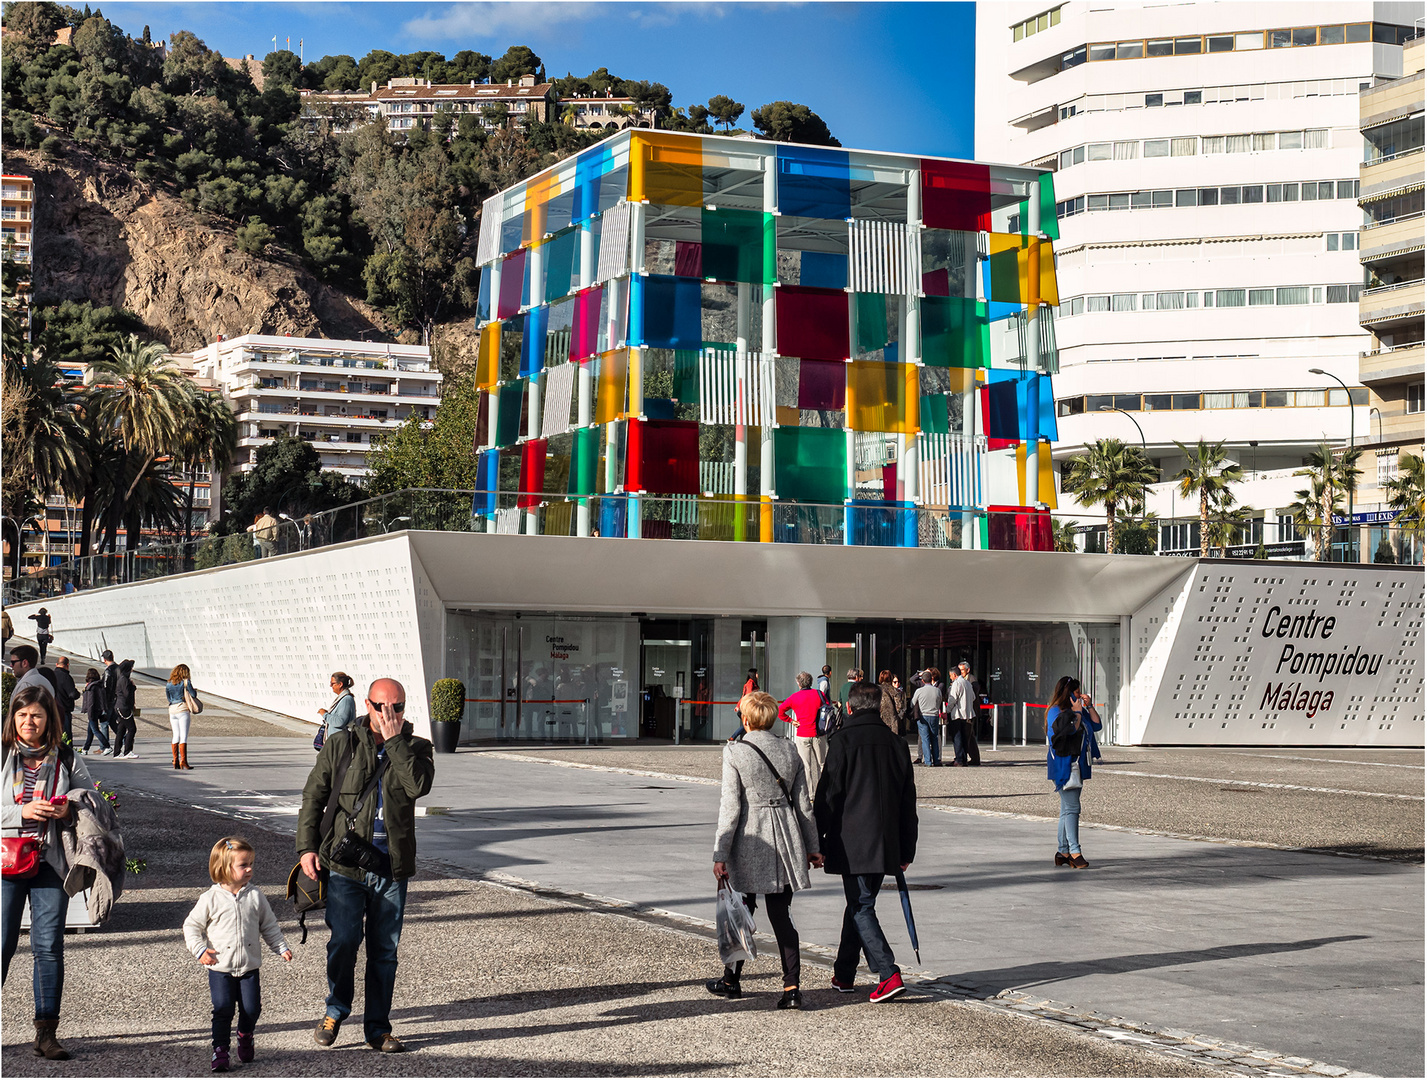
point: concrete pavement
(1306, 954)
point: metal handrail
(1367, 226)
(1379, 289)
(1391, 349)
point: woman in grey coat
(766, 835)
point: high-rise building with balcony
(1391, 308)
(1206, 159)
(338, 395)
(17, 201)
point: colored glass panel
(871, 321)
(487, 481)
(585, 327)
(1002, 412)
(935, 414)
(488, 356)
(824, 270)
(822, 384)
(481, 437)
(508, 413)
(512, 227)
(532, 346)
(663, 456)
(812, 323)
(672, 312)
(613, 511)
(584, 461)
(1050, 226)
(956, 195)
(590, 167)
(739, 245)
(688, 259)
(559, 450)
(1021, 270)
(956, 332)
(539, 190)
(810, 464)
(612, 386)
(483, 297)
(814, 183)
(561, 264)
(512, 345)
(882, 397)
(532, 473)
(512, 284)
(666, 168)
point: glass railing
(746, 519)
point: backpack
(829, 716)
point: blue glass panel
(824, 270)
(589, 168)
(673, 312)
(561, 264)
(1046, 408)
(483, 297)
(532, 346)
(487, 476)
(814, 183)
(1004, 420)
(612, 515)
(511, 230)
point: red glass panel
(956, 195)
(532, 473)
(822, 384)
(812, 323)
(663, 456)
(512, 284)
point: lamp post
(1371, 410)
(1144, 508)
(386, 526)
(1352, 440)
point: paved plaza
(1201, 949)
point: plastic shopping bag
(735, 928)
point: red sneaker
(887, 988)
(842, 987)
(245, 1046)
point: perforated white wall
(270, 632)
(1282, 653)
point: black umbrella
(907, 911)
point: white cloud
(484, 20)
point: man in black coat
(66, 694)
(866, 810)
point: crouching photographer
(366, 848)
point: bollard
(1025, 729)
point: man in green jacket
(369, 902)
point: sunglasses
(396, 706)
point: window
(1097, 202)
(1120, 202)
(1160, 47)
(1186, 147)
(1273, 193)
(1310, 192)
(1290, 192)
(1221, 43)
(1237, 144)
(1128, 402)
(1244, 42)
(1315, 139)
(1097, 303)
(1096, 402)
(1070, 406)
(1100, 151)
(1163, 198)
(1184, 401)
(1186, 197)
(1253, 193)
(1414, 397)
(1156, 148)
(1213, 144)
(1188, 46)
(1359, 32)
(1073, 59)
(1305, 35)
(1350, 241)
(1140, 200)
(1260, 298)
(1331, 35)
(1338, 294)
(1194, 97)
(1156, 402)
(1169, 301)
(1209, 196)
(1129, 50)
(1122, 302)
(1275, 399)
(1229, 298)
(1295, 294)
(1127, 151)
(1228, 196)
(1346, 189)
(1153, 101)
(1290, 140)
(354, 436)
(1332, 241)
(1104, 51)
(1280, 39)
(1147, 302)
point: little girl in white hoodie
(222, 931)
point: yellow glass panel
(488, 356)
(538, 194)
(1047, 473)
(882, 397)
(1035, 280)
(787, 416)
(666, 168)
(613, 380)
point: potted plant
(448, 706)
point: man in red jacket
(866, 810)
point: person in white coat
(222, 932)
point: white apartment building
(1206, 159)
(338, 395)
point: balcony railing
(1379, 290)
(1386, 349)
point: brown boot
(46, 1045)
(183, 756)
(175, 755)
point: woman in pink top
(802, 709)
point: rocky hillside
(105, 236)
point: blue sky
(885, 76)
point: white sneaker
(129, 754)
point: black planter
(444, 736)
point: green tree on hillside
(784, 121)
(518, 60)
(724, 110)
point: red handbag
(20, 857)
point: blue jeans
(96, 727)
(228, 990)
(379, 903)
(1068, 837)
(861, 931)
(930, 729)
(48, 905)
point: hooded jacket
(231, 924)
(124, 689)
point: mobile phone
(60, 801)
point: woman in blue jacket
(1070, 723)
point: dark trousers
(228, 990)
(861, 932)
(781, 919)
(48, 906)
(43, 643)
(96, 727)
(124, 732)
(372, 908)
(963, 739)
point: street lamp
(1352, 441)
(1144, 508)
(387, 526)
(297, 525)
(1371, 410)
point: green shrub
(52, 147)
(7, 684)
(207, 554)
(237, 548)
(448, 701)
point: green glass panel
(739, 245)
(561, 265)
(585, 460)
(811, 464)
(871, 321)
(956, 332)
(935, 415)
(1049, 225)
(686, 377)
(512, 401)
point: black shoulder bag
(308, 893)
(352, 850)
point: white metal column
(1033, 337)
(585, 384)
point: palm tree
(1315, 505)
(208, 442)
(1207, 473)
(1064, 533)
(1333, 474)
(1108, 474)
(1404, 494)
(145, 401)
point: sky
(885, 76)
